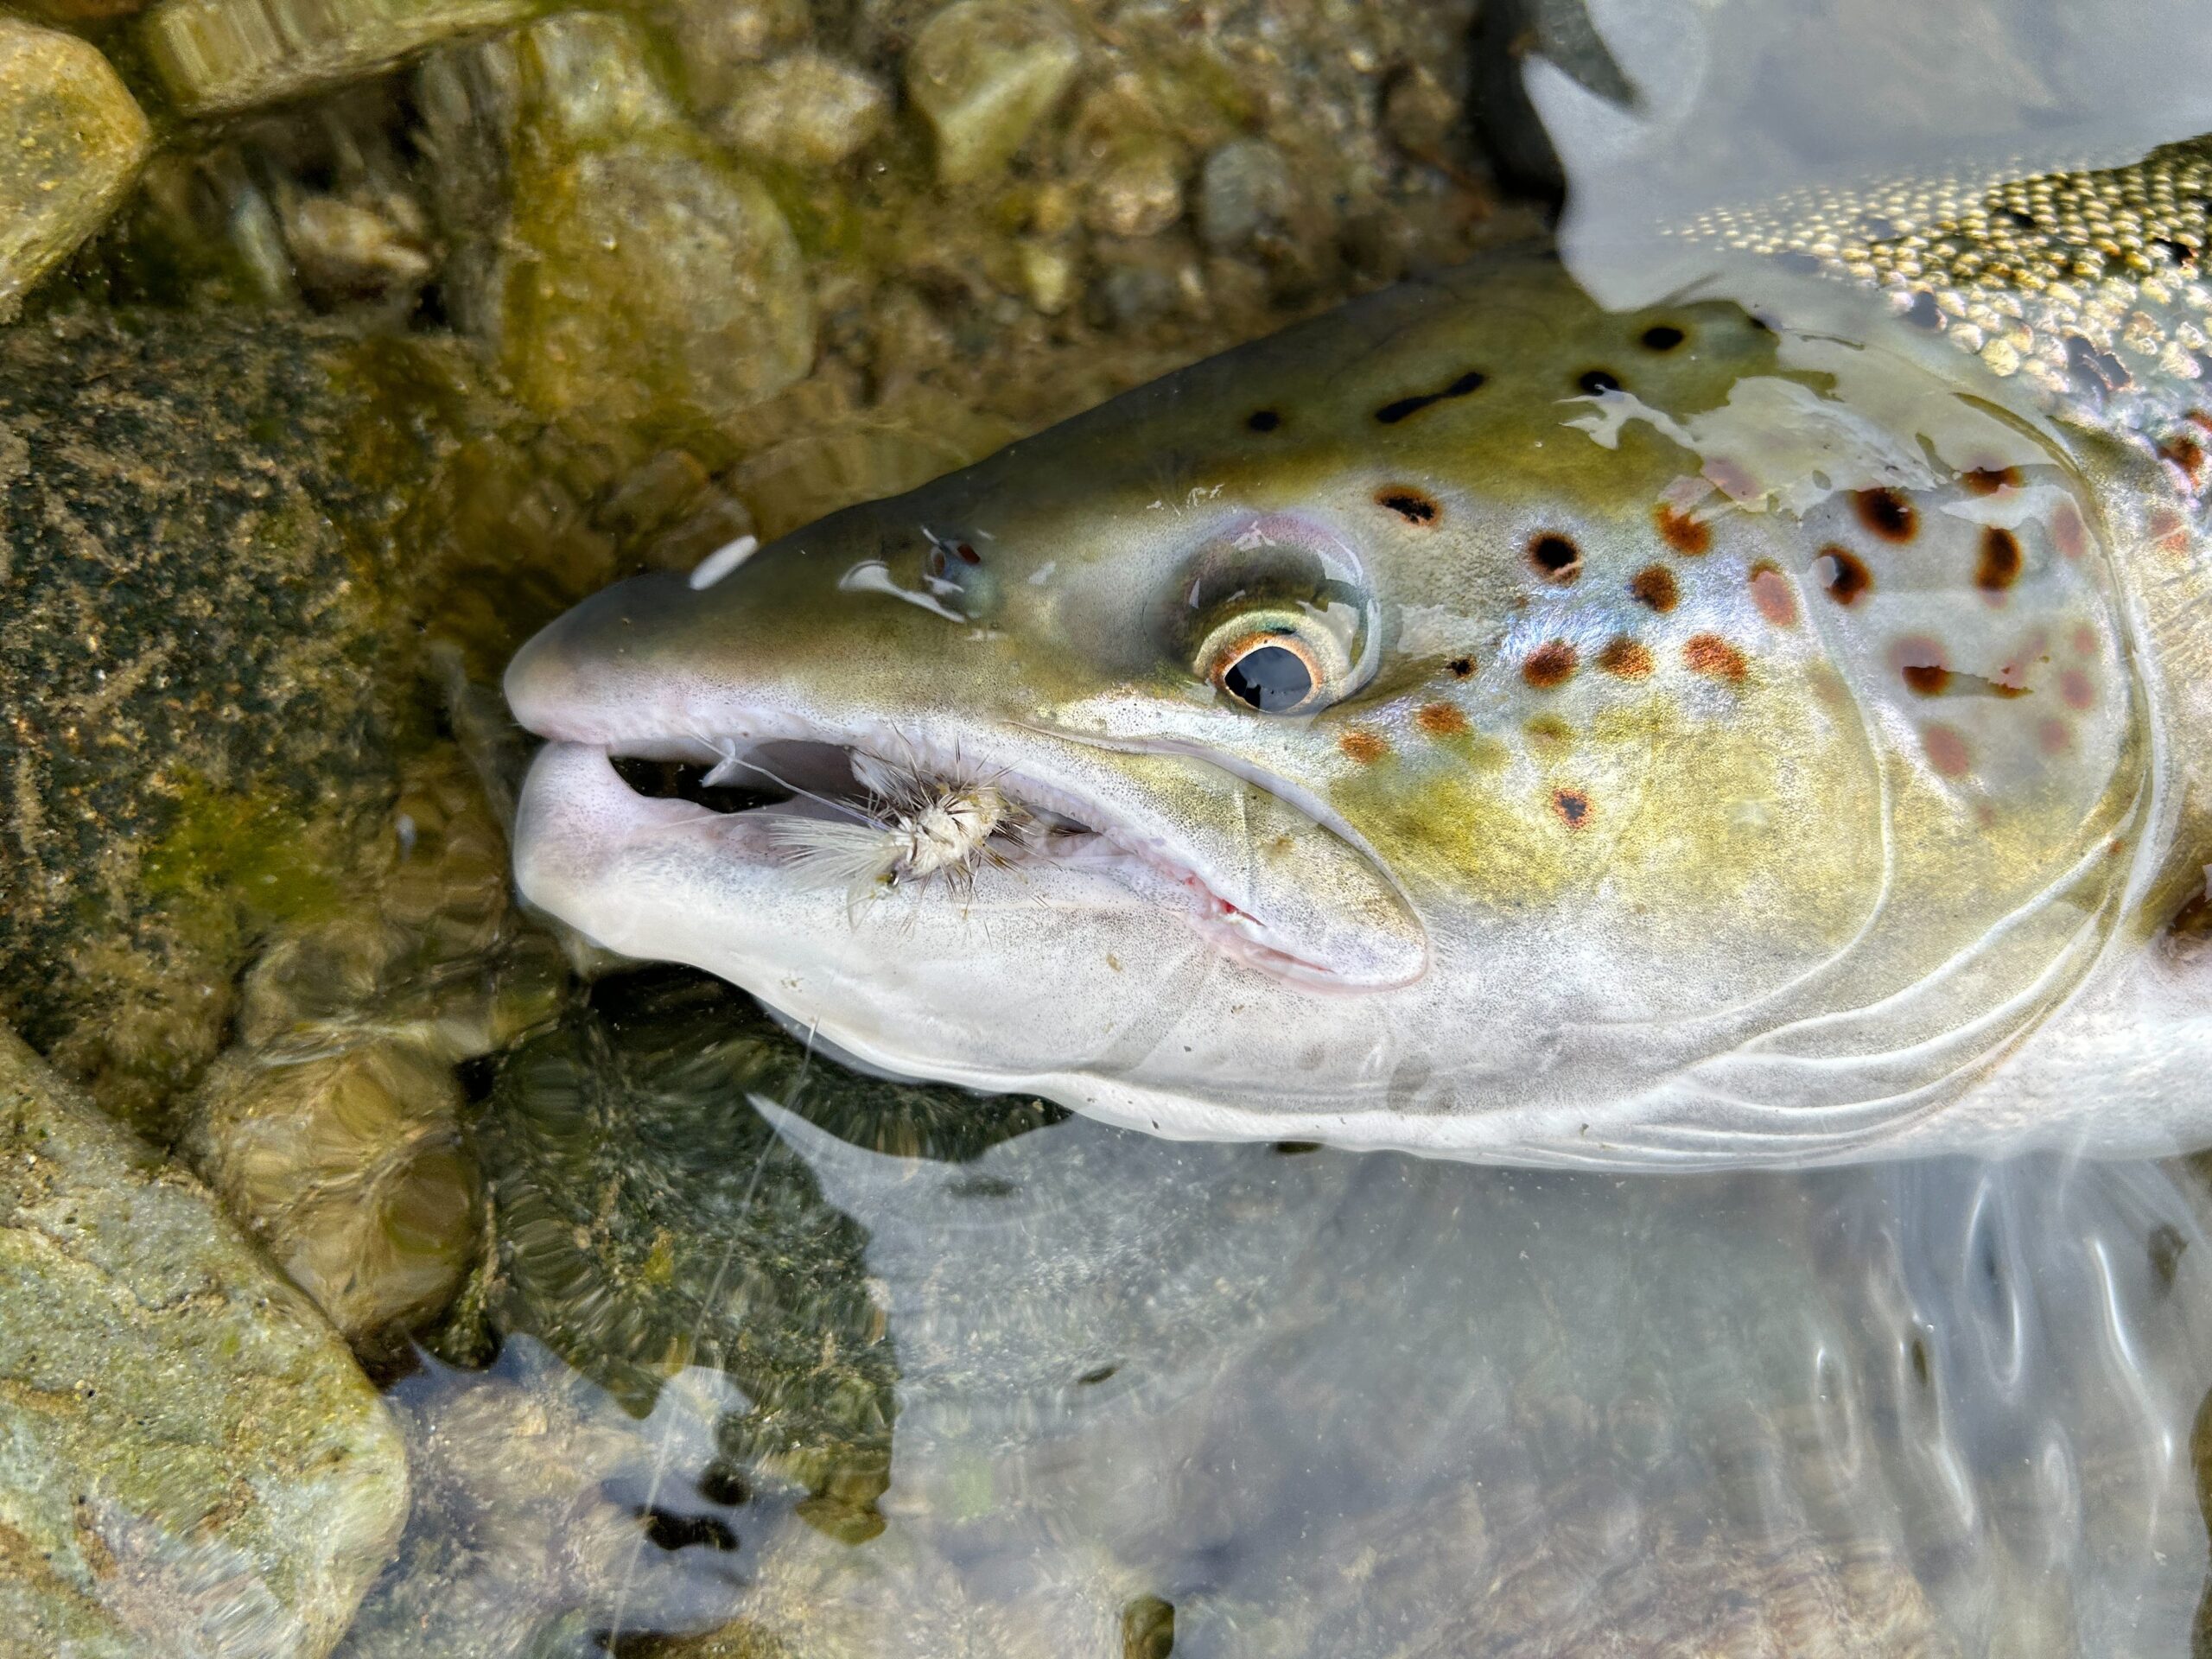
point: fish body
(1735, 730)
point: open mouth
(920, 825)
(893, 817)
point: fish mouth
(1252, 871)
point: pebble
(983, 73)
(214, 56)
(74, 141)
(805, 110)
(190, 1462)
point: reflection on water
(1294, 1402)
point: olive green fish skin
(1765, 735)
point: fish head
(1446, 724)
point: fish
(1767, 726)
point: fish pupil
(1270, 678)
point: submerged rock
(190, 1463)
(545, 1513)
(217, 56)
(640, 280)
(984, 73)
(73, 141)
(806, 110)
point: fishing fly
(909, 828)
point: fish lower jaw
(782, 771)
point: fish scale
(1777, 720)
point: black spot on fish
(1573, 807)
(1461, 667)
(1888, 514)
(1410, 504)
(1555, 558)
(1263, 420)
(720, 1484)
(1598, 381)
(2092, 367)
(1922, 312)
(1093, 1378)
(1391, 414)
(1663, 337)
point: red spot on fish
(1624, 659)
(2085, 640)
(2170, 533)
(2068, 531)
(1772, 593)
(1549, 664)
(2076, 689)
(1709, 654)
(1731, 479)
(2054, 737)
(1687, 535)
(1573, 807)
(1886, 514)
(1946, 750)
(1366, 747)
(1920, 662)
(1440, 720)
(2187, 456)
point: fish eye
(1276, 665)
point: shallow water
(1312, 1403)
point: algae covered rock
(202, 658)
(806, 109)
(641, 279)
(647, 1219)
(190, 1463)
(984, 73)
(73, 141)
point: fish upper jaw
(1250, 869)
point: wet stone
(806, 110)
(983, 73)
(643, 279)
(190, 1462)
(216, 56)
(73, 142)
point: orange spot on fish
(1573, 807)
(2076, 689)
(1999, 565)
(1440, 720)
(1366, 747)
(1624, 659)
(1549, 664)
(2186, 454)
(1987, 481)
(1687, 535)
(1772, 593)
(1946, 750)
(1708, 653)
(1654, 586)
